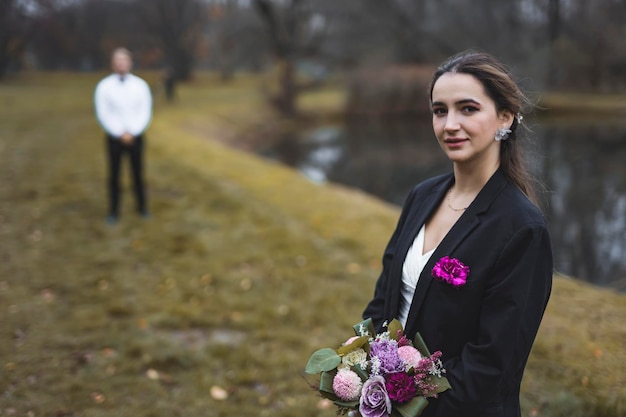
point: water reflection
(582, 168)
(323, 151)
(585, 172)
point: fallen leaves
(245, 284)
(98, 397)
(48, 295)
(162, 377)
(152, 374)
(218, 393)
(353, 268)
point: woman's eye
(439, 111)
(469, 109)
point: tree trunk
(286, 97)
(554, 31)
(282, 32)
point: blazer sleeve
(513, 303)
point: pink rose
(352, 339)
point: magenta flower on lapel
(451, 270)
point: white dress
(413, 266)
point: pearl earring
(502, 134)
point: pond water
(582, 168)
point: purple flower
(374, 400)
(451, 270)
(387, 353)
(403, 341)
(400, 386)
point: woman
(483, 218)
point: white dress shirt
(411, 270)
(123, 106)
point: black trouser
(135, 151)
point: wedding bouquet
(379, 374)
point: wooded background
(556, 44)
(573, 43)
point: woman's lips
(454, 142)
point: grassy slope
(243, 270)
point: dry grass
(242, 271)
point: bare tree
(587, 46)
(236, 38)
(404, 25)
(80, 35)
(553, 31)
(13, 33)
(176, 27)
(566, 44)
(293, 34)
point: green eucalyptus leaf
(412, 408)
(442, 383)
(326, 385)
(394, 327)
(322, 360)
(360, 372)
(368, 325)
(419, 344)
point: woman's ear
(506, 117)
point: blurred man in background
(123, 105)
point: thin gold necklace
(450, 205)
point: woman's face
(465, 119)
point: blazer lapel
(464, 226)
(414, 222)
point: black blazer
(485, 328)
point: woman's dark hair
(499, 85)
